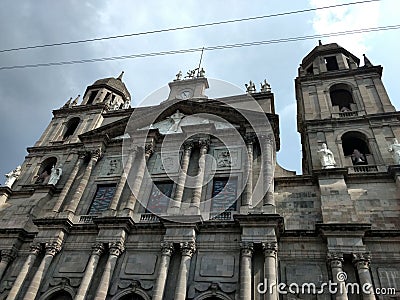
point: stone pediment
(175, 122)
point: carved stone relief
(228, 159)
(112, 166)
(166, 162)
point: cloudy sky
(27, 96)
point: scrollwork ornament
(335, 259)
(116, 248)
(148, 149)
(52, 248)
(247, 248)
(96, 154)
(35, 248)
(188, 145)
(8, 255)
(167, 248)
(270, 248)
(188, 248)
(98, 249)
(362, 260)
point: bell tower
(345, 106)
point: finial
(120, 75)
(178, 76)
(319, 43)
(367, 62)
(75, 102)
(68, 103)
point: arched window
(60, 295)
(45, 170)
(71, 127)
(355, 146)
(132, 296)
(341, 96)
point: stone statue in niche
(395, 150)
(224, 159)
(12, 176)
(358, 158)
(55, 175)
(42, 178)
(326, 157)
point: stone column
(122, 180)
(362, 261)
(115, 251)
(248, 192)
(70, 181)
(267, 151)
(270, 267)
(336, 264)
(7, 256)
(167, 249)
(245, 270)
(187, 250)
(95, 155)
(180, 186)
(195, 204)
(51, 250)
(148, 151)
(26, 268)
(90, 269)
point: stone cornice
(125, 223)
(54, 147)
(59, 223)
(78, 108)
(343, 227)
(261, 220)
(341, 73)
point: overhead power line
(183, 27)
(208, 48)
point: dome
(115, 84)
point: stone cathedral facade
(184, 200)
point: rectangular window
(102, 199)
(159, 197)
(331, 63)
(224, 195)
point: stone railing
(86, 219)
(346, 114)
(224, 216)
(149, 218)
(363, 169)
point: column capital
(188, 248)
(267, 138)
(98, 249)
(335, 259)
(270, 248)
(247, 249)
(250, 138)
(96, 153)
(362, 260)
(167, 248)
(8, 255)
(52, 248)
(204, 143)
(188, 145)
(116, 248)
(82, 154)
(35, 248)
